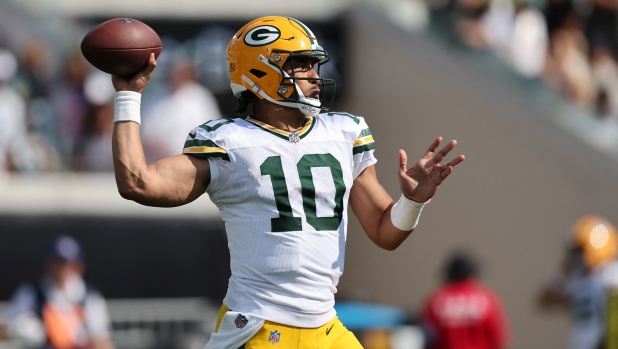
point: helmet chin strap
(312, 106)
(309, 110)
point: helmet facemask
(289, 89)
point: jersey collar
(287, 135)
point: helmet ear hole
(257, 73)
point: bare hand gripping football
(121, 46)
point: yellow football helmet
(256, 55)
(598, 239)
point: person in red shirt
(463, 313)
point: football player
(586, 283)
(282, 180)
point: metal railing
(169, 323)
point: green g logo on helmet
(262, 35)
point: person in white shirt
(190, 102)
(15, 152)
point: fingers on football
(147, 71)
(152, 64)
(432, 148)
(141, 79)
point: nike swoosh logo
(193, 134)
(328, 329)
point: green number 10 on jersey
(286, 221)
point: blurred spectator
(70, 104)
(15, 152)
(171, 119)
(601, 25)
(528, 45)
(605, 75)
(92, 151)
(464, 314)
(515, 31)
(60, 310)
(469, 25)
(584, 280)
(32, 83)
(33, 78)
(569, 58)
(498, 23)
(572, 46)
(556, 13)
(411, 15)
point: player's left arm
(373, 206)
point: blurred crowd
(569, 45)
(62, 121)
(58, 117)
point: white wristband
(127, 106)
(406, 213)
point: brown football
(121, 46)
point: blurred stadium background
(529, 90)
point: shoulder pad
(206, 140)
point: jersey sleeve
(609, 275)
(203, 143)
(199, 144)
(364, 147)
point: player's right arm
(172, 181)
(553, 294)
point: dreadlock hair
(246, 98)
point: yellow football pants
(332, 335)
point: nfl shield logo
(293, 136)
(274, 337)
(240, 321)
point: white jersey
(588, 294)
(283, 197)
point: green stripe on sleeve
(223, 156)
(364, 133)
(200, 143)
(363, 148)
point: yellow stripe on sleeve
(363, 140)
(204, 150)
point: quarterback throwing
(282, 180)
